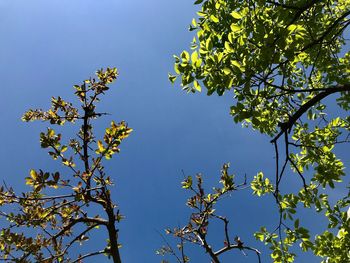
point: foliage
(59, 206)
(281, 60)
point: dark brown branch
(288, 90)
(70, 243)
(326, 32)
(299, 173)
(79, 259)
(79, 236)
(112, 231)
(73, 222)
(226, 222)
(208, 249)
(49, 198)
(285, 127)
(284, 5)
(302, 10)
(277, 169)
(85, 145)
(240, 247)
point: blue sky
(48, 46)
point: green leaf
(185, 56)
(296, 223)
(236, 15)
(197, 86)
(235, 28)
(227, 71)
(172, 78)
(176, 68)
(194, 23)
(64, 148)
(214, 19)
(238, 65)
(33, 174)
(100, 146)
(194, 57)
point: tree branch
(286, 126)
(79, 259)
(240, 247)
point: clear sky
(48, 46)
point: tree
(282, 61)
(62, 207)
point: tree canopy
(285, 64)
(280, 60)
